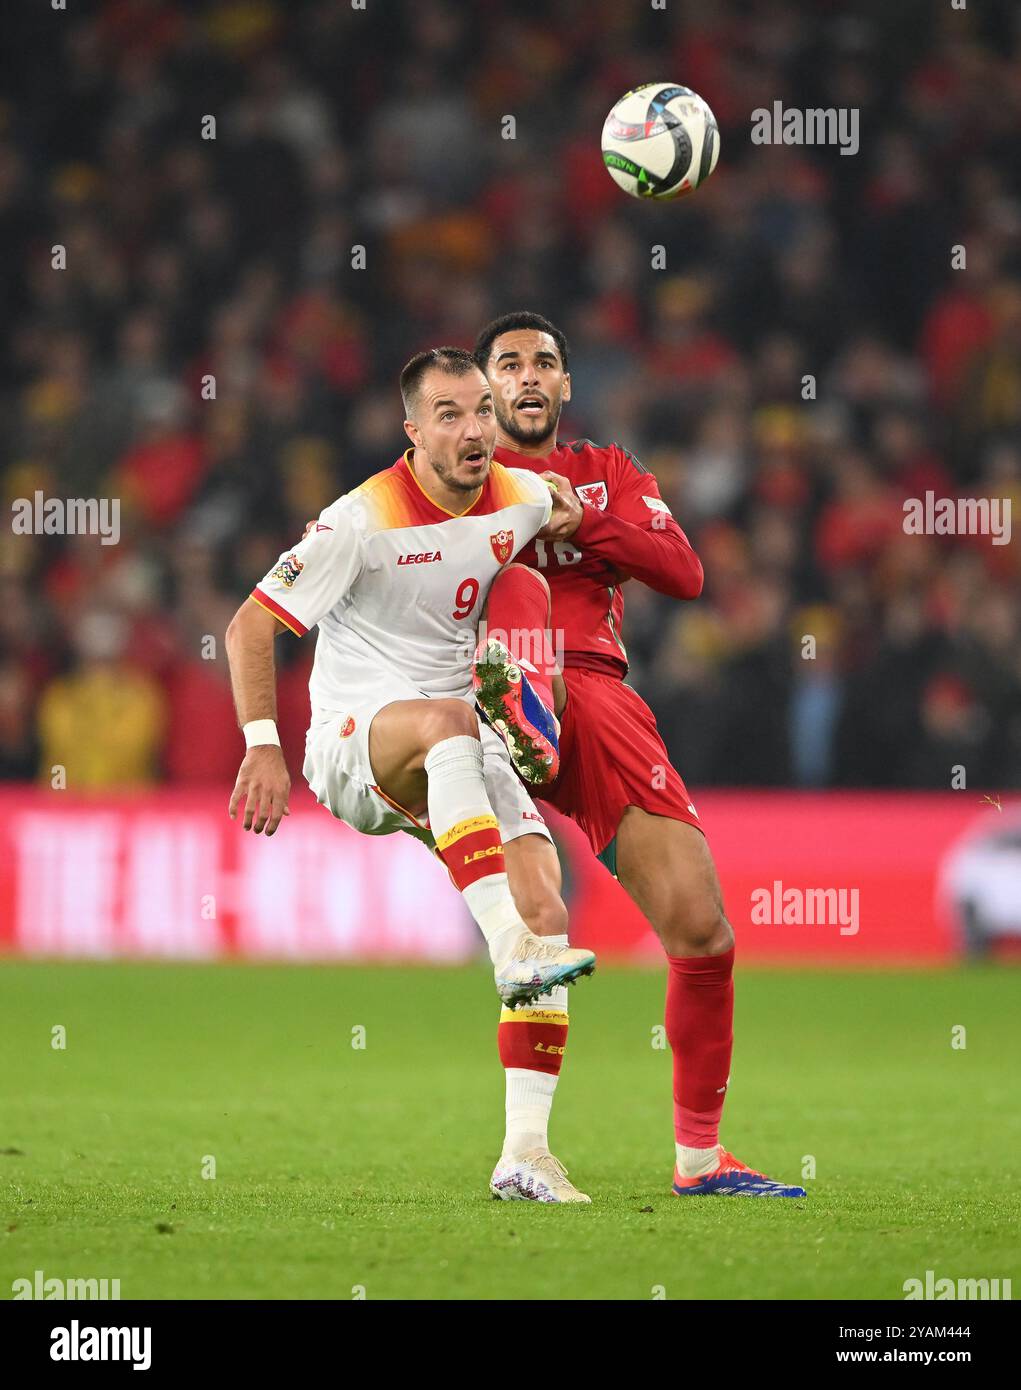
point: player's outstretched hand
(263, 785)
(567, 505)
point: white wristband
(260, 731)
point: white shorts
(338, 770)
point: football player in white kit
(395, 574)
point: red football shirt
(627, 532)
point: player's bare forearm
(263, 783)
(249, 641)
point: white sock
(529, 1102)
(530, 1093)
(491, 903)
(696, 1163)
(456, 794)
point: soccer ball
(660, 141)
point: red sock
(472, 849)
(532, 1038)
(700, 1030)
(518, 615)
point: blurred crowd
(807, 358)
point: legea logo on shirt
(425, 557)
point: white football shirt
(397, 583)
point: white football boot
(535, 967)
(535, 1176)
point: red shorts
(612, 757)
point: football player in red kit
(615, 778)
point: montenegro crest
(288, 570)
(503, 546)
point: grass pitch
(341, 1168)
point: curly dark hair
(508, 323)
